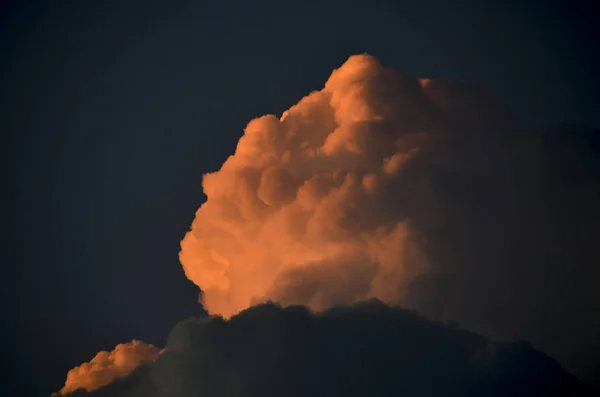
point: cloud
(368, 349)
(307, 194)
(106, 366)
(418, 192)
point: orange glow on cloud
(105, 367)
(300, 214)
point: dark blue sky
(113, 110)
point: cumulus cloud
(304, 203)
(418, 192)
(422, 193)
(368, 349)
(106, 366)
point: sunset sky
(113, 112)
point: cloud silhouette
(365, 349)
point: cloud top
(302, 213)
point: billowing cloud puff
(368, 349)
(422, 193)
(303, 204)
(106, 366)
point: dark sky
(112, 111)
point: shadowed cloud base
(369, 349)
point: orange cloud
(422, 193)
(309, 189)
(105, 367)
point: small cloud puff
(106, 366)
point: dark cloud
(368, 349)
(514, 248)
